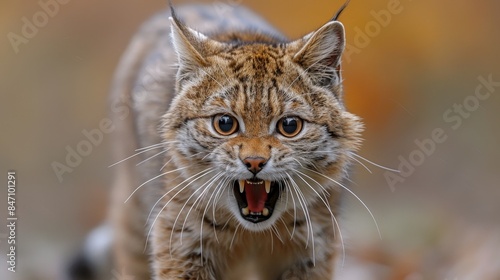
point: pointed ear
(320, 51)
(192, 47)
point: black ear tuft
(339, 12)
(173, 14)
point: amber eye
(290, 126)
(225, 125)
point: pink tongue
(256, 196)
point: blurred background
(417, 72)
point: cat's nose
(255, 164)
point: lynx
(242, 146)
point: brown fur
(249, 71)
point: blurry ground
(403, 75)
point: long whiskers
(325, 202)
(352, 193)
(211, 77)
(136, 154)
(218, 194)
(360, 163)
(276, 232)
(374, 164)
(303, 204)
(294, 212)
(206, 186)
(234, 235)
(153, 146)
(153, 156)
(170, 160)
(203, 216)
(154, 178)
(203, 173)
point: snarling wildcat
(242, 143)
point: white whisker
(362, 164)
(207, 185)
(204, 213)
(351, 192)
(203, 173)
(211, 77)
(165, 165)
(152, 179)
(272, 241)
(219, 191)
(298, 162)
(334, 219)
(375, 164)
(136, 154)
(285, 226)
(276, 232)
(151, 157)
(303, 204)
(294, 212)
(166, 204)
(207, 155)
(224, 72)
(157, 145)
(234, 235)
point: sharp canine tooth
(265, 212)
(245, 211)
(242, 185)
(268, 186)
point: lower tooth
(245, 211)
(265, 212)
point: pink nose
(255, 164)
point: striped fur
(169, 86)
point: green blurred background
(401, 75)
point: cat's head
(260, 124)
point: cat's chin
(256, 200)
(262, 225)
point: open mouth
(256, 198)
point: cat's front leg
(307, 271)
(319, 264)
(174, 259)
(295, 273)
(182, 269)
